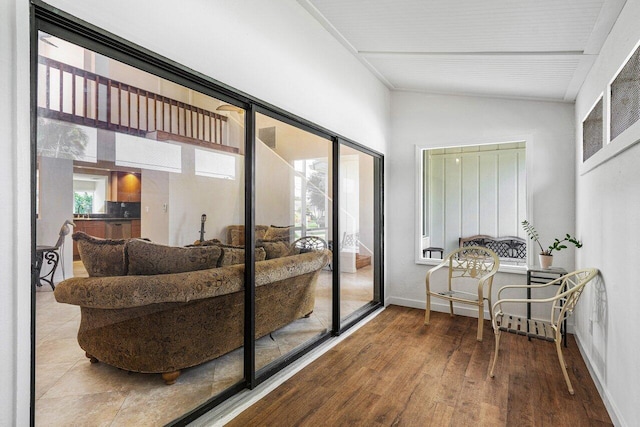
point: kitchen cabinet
(125, 187)
(136, 228)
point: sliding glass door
(190, 241)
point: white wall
(272, 50)
(608, 202)
(438, 120)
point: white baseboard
(612, 409)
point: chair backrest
(350, 241)
(310, 243)
(64, 230)
(472, 261)
(569, 291)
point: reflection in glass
(125, 154)
(356, 230)
(473, 191)
(293, 215)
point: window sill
(513, 269)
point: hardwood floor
(396, 371)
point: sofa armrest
(118, 292)
(276, 269)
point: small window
(82, 202)
(625, 96)
(592, 132)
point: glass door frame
(60, 24)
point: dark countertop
(105, 219)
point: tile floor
(72, 391)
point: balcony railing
(85, 98)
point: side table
(544, 275)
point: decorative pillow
(232, 255)
(275, 232)
(274, 249)
(235, 234)
(261, 231)
(146, 258)
(101, 257)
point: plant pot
(546, 261)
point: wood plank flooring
(396, 371)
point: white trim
(234, 406)
(22, 226)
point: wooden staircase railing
(85, 98)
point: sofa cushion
(275, 232)
(147, 258)
(235, 234)
(232, 255)
(101, 257)
(274, 249)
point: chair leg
(495, 353)
(480, 321)
(563, 366)
(427, 312)
(451, 308)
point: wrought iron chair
(474, 264)
(51, 254)
(562, 305)
(309, 243)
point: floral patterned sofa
(159, 309)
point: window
(471, 190)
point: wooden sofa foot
(306, 316)
(91, 358)
(170, 377)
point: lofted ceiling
(526, 49)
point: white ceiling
(531, 49)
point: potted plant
(546, 256)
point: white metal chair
(474, 264)
(562, 305)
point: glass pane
(356, 230)
(122, 155)
(293, 220)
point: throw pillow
(275, 232)
(232, 255)
(101, 257)
(146, 258)
(274, 249)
